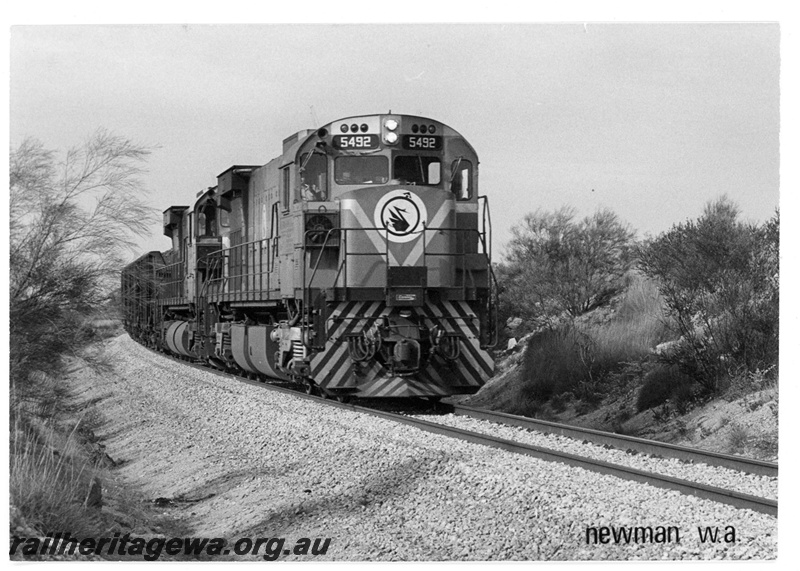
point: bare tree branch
(71, 221)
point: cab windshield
(416, 169)
(361, 170)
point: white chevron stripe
(373, 372)
(374, 235)
(377, 266)
(484, 355)
(467, 355)
(338, 348)
(474, 343)
(391, 389)
(415, 254)
(433, 373)
(465, 308)
(337, 376)
(437, 220)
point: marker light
(391, 138)
(432, 129)
(364, 127)
(423, 129)
(345, 128)
(391, 124)
(354, 128)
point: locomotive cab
(346, 167)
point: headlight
(390, 138)
(391, 124)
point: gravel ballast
(755, 485)
(266, 464)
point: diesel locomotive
(356, 263)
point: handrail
(486, 242)
(486, 219)
(248, 255)
(308, 282)
(307, 309)
(243, 268)
(172, 283)
(385, 253)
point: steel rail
(623, 442)
(720, 495)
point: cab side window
(207, 220)
(313, 183)
(285, 182)
(461, 181)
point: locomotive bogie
(355, 263)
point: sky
(650, 120)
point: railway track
(716, 494)
(622, 442)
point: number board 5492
(422, 142)
(355, 141)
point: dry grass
(580, 358)
(624, 341)
(50, 479)
(51, 471)
(635, 329)
(640, 315)
(738, 439)
(105, 328)
(759, 381)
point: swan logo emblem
(402, 214)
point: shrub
(559, 402)
(719, 280)
(552, 364)
(559, 265)
(70, 223)
(662, 383)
